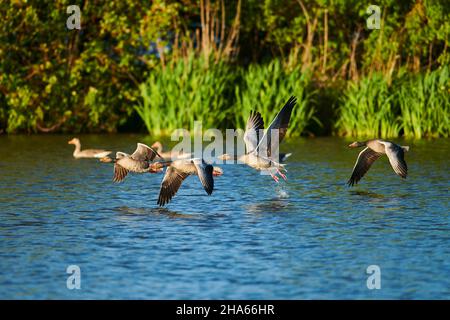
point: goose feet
(282, 174)
(275, 177)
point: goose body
(372, 151)
(258, 149)
(177, 171)
(87, 153)
(138, 162)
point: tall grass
(267, 87)
(424, 102)
(365, 109)
(185, 92)
(221, 96)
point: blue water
(310, 237)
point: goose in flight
(179, 170)
(87, 153)
(138, 162)
(168, 154)
(372, 151)
(258, 149)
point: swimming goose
(374, 149)
(178, 170)
(168, 154)
(258, 149)
(88, 153)
(138, 162)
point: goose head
(357, 144)
(74, 141)
(217, 172)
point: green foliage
(425, 104)
(366, 110)
(185, 92)
(133, 57)
(414, 105)
(267, 87)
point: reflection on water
(309, 237)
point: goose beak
(217, 172)
(70, 142)
(354, 145)
(105, 160)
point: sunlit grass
(425, 102)
(183, 93)
(366, 110)
(266, 88)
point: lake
(311, 237)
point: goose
(180, 169)
(372, 151)
(168, 154)
(88, 153)
(138, 162)
(258, 154)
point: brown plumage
(178, 171)
(374, 149)
(138, 162)
(259, 149)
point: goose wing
(362, 165)
(396, 157)
(144, 153)
(119, 173)
(205, 174)
(169, 186)
(280, 123)
(255, 123)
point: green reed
(184, 92)
(424, 102)
(366, 109)
(221, 96)
(266, 88)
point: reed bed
(411, 106)
(176, 96)
(266, 88)
(222, 96)
(425, 105)
(365, 110)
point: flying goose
(259, 149)
(138, 162)
(168, 154)
(88, 153)
(374, 149)
(178, 170)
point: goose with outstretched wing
(259, 149)
(372, 151)
(177, 171)
(138, 162)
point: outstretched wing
(205, 174)
(144, 153)
(280, 123)
(255, 123)
(169, 186)
(363, 164)
(119, 173)
(396, 157)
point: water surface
(310, 237)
